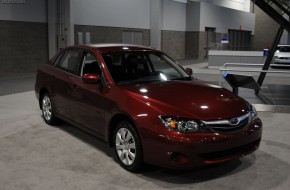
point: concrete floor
(36, 156)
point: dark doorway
(210, 37)
(239, 40)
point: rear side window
(70, 61)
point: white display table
(216, 58)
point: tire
(47, 109)
(127, 147)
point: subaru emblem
(234, 121)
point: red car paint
(93, 106)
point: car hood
(190, 99)
(282, 54)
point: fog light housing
(178, 157)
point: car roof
(109, 47)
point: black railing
(276, 13)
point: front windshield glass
(142, 67)
(283, 49)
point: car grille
(284, 58)
(229, 126)
(245, 149)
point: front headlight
(181, 125)
(253, 113)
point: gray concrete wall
(112, 13)
(101, 34)
(224, 18)
(265, 31)
(173, 28)
(194, 45)
(193, 16)
(23, 35)
(30, 11)
(192, 36)
(23, 46)
(242, 5)
(173, 43)
(191, 45)
(155, 23)
(202, 44)
(173, 15)
(200, 15)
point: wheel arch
(113, 123)
(41, 93)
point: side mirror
(189, 71)
(91, 78)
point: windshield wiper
(182, 78)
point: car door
(88, 101)
(66, 67)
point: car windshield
(143, 67)
(283, 49)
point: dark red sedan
(146, 106)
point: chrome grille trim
(227, 122)
(226, 126)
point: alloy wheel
(125, 146)
(46, 108)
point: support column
(60, 25)
(270, 56)
(52, 27)
(155, 23)
(68, 24)
(288, 34)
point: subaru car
(145, 106)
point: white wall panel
(30, 11)
(114, 13)
(174, 15)
(155, 23)
(242, 5)
(223, 18)
(193, 17)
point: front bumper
(281, 62)
(182, 151)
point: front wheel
(128, 147)
(47, 110)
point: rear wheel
(47, 109)
(128, 147)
